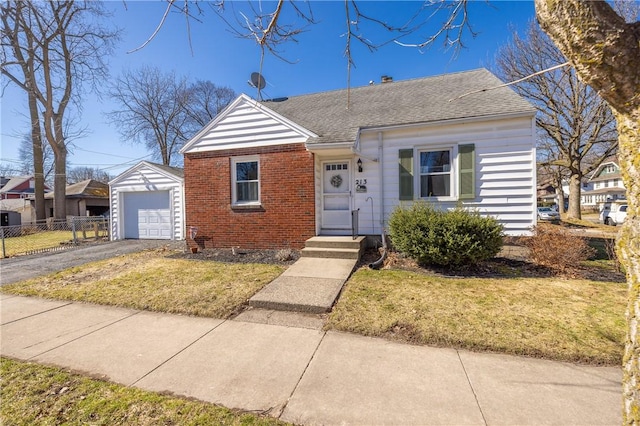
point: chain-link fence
(52, 235)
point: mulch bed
(510, 265)
(274, 257)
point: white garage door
(147, 215)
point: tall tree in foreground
(577, 130)
(163, 111)
(605, 51)
(53, 50)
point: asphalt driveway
(25, 267)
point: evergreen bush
(444, 238)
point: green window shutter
(467, 172)
(406, 174)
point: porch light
(359, 163)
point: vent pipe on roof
(386, 79)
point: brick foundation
(286, 218)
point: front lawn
(553, 318)
(35, 394)
(151, 280)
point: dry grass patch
(152, 281)
(560, 319)
(34, 394)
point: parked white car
(547, 213)
(613, 216)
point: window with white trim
(245, 180)
(435, 173)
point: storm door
(336, 195)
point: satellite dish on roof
(257, 80)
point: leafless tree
(274, 24)
(53, 50)
(26, 157)
(78, 174)
(9, 169)
(162, 110)
(205, 101)
(577, 128)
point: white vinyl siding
(246, 124)
(505, 175)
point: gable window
(435, 173)
(245, 177)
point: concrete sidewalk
(306, 376)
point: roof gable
(246, 123)
(16, 183)
(607, 170)
(173, 173)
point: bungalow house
(271, 174)
(607, 185)
(87, 198)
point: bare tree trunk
(629, 253)
(606, 54)
(38, 157)
(575, 189)
(60, 179)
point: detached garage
(147, 202)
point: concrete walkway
(310, 285)
(303, 375)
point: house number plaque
(361, 185)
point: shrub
(444, 238)
(557, 248)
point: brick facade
(286, 217)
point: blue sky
(226, 60)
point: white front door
(336, 196)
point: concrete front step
(336, 242)
(334, 247)
(330, 253)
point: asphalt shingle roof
(176, 171)
(404, 102)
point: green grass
(35, 242)
(152, 281)
(34, 394)
(553, 318)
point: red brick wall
(287, 193)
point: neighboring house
(147, 202)
(273, 174)
(86, 198)
(607, 185)
(13, 187)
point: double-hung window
(245, 177)
(435, 173)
